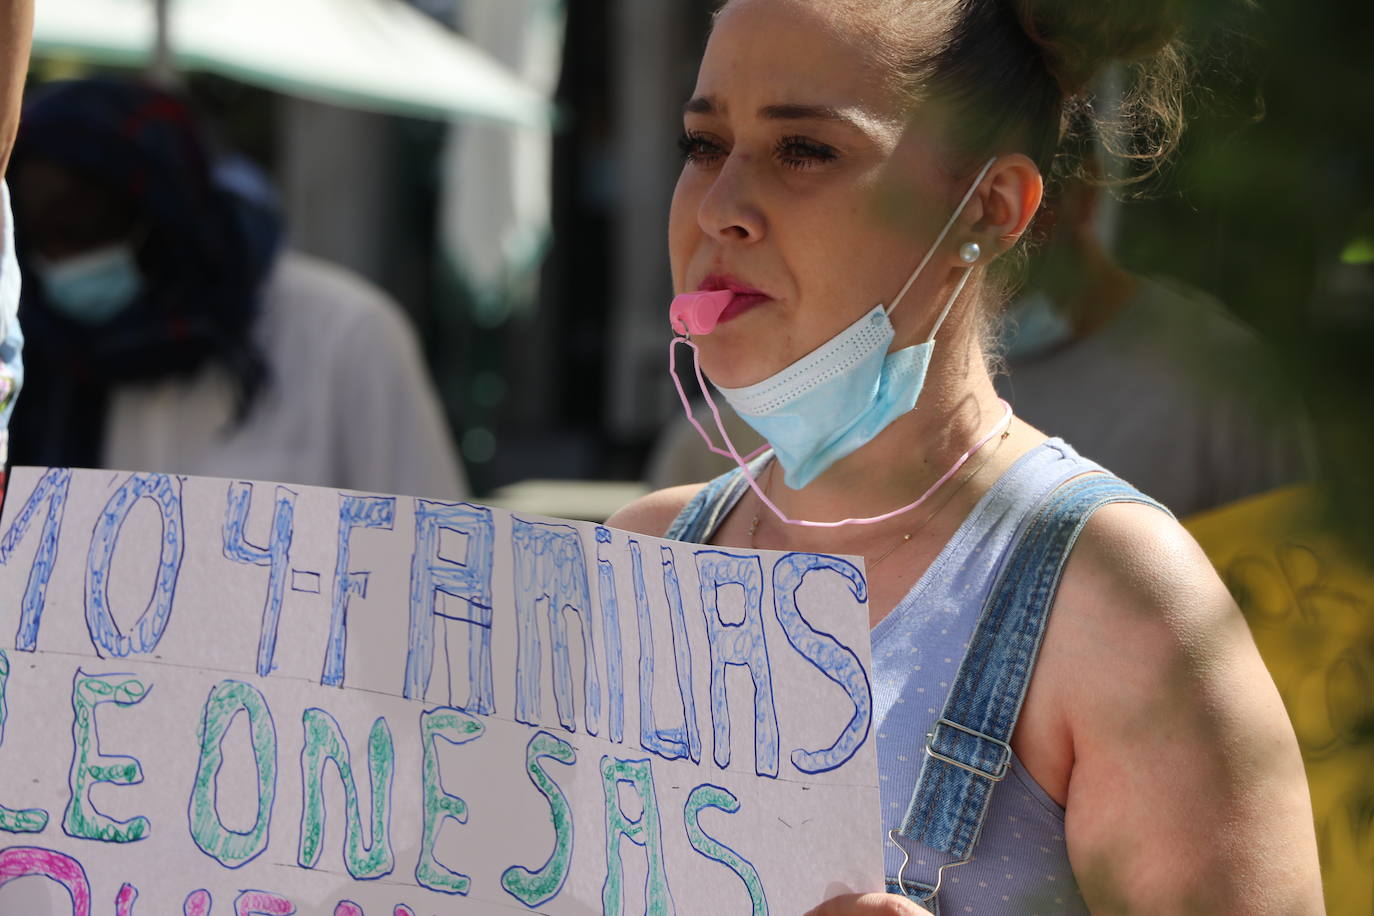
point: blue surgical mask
(840, 396)
(1034, 326)
(851, 378)
(94, 287)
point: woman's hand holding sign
(869, 905)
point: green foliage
(1270, 207)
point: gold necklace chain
(870, 566)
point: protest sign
(225, 697)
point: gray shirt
(349, 404)
(1174, 394)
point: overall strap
(700, 518)
(968, 751)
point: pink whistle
(699, 313)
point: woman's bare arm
(652, 514)
(1187, 792)
(16, 33)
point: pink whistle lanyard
(733, 453)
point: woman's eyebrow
(706, 105)
(702, 104)
(795, 112)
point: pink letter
(261, 903)
(197, 903)
(124, 900)
(23, 861)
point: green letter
(89, 766)
(644, 832)
(324, 743)
(24, 820)
(709, 796)
(535, 887)
(455, 727)
(229, 847)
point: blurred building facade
(567, 377)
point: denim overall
(1045, 500)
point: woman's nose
(730, 210)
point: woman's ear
(1009, 198)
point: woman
(831, 148)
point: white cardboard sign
(223, 697)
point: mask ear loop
(935, 246)
(742, 462)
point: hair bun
(1080, 38)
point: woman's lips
(742, 303)
(746, 297)
(698, 312)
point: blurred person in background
(16, 25)
(168, 331)
(1146, 375)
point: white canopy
(381, 55)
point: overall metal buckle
(1002, 767)
(902, 881)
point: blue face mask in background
(94, 287)
(1034, 326)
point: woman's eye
(801, 153)
(699, 150)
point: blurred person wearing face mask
(1154, 379)
(169, 332)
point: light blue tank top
(1020, 863)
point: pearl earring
(970, 253)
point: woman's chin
(731, 367)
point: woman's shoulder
(1136, 569)
(1177, 733)
(1144, 626)
(1140, 616)
(653, 514)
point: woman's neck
(956, 408)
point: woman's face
(63, 215)
(795, 139)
